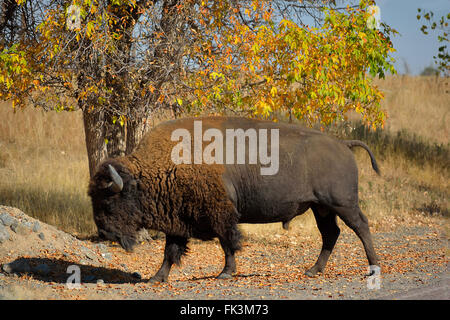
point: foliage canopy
(128, 59)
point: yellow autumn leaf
(273, 91)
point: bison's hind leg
(355, 220)
(174, 249)
(230, 242)
(326, 222)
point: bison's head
(114, 195)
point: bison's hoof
(312, 272)
(309, 273)
(224, 276)
(157, 279)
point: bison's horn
(117, 182)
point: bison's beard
(126, 242)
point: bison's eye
(112, 182)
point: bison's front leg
(175, 248)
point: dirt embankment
(38, 261)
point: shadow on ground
(56, 271)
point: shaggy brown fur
(183, 201)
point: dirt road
(413, 258)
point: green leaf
(90, 28)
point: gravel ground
(35, 258)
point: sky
(414, 49)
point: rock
(20, 228)
(42, 269)
(91, 255)
(100, 282)
(4, 234)
(104, 251)
(6, 219)
(28, 224)
(107, 256)
(41, 236)
(88, 253)
(102, 247)
(14, 224)
(36, 227)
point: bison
(206, 200)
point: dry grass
(44, 170)
(43, 167)
(419, 105)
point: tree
(429, 71)
(443, 58)
(127, 60)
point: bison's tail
(357, 143)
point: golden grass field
(44, 168)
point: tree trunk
(135, 131)
(9, 8)
(94, 133)
(103, 138)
